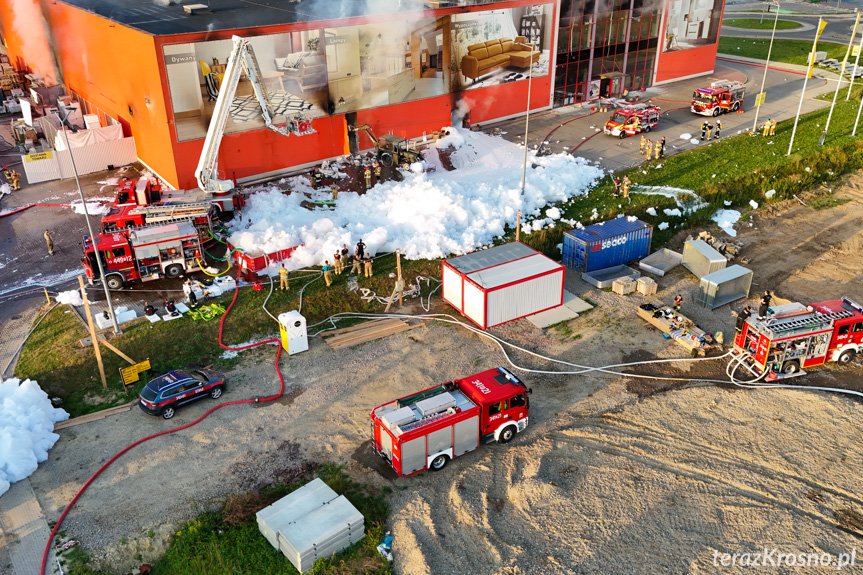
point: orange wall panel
(686, 63)
(27, 42)
(117, 69)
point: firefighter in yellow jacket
(642, 145)
(766, 129)
(772, 130)
(368, 265)
(283, 277)
(625, 186)
(649, 149)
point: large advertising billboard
(692, 24)
(336, 70)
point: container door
(452, 286)
(465, 436)
(413, 455)
(474, 304)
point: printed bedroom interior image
(380, 64)
(294, 74)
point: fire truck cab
(143, 254)
(427, 429)
(794, 336)
(633, 119)
(721, 96)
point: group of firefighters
(316, 178)
(648, 148)
(769, 128)
(340, 258)
(707, 130)
(13, 178)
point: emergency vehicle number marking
(119, 259)
(481, 386)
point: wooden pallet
(362, 326)
(95, 416)
(365, 332)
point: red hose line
(27, 207)
(762, 65)
(167, 431)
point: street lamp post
(766, 65)
(524, 165)
(87, 218)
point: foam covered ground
(27, 421)
(428, 214)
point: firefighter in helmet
(624, 187)
(649, 149)
(642, 145)
(704, 125)
(377, 171)
(368, 177)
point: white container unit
(502, 284)
(292, 328)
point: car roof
(170, 379)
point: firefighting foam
(427, 215)
(27, 421)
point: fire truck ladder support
(797, 324)
(195, 210)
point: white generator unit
(295, 337)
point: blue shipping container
(606, 244)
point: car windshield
(148, 393)
(700, 98)
(200, 376)
(619, 118)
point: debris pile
(730, 250)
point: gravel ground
(612, 476)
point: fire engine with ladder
(427, 429)
(242, 59)
(794, 336)
(633, 119)
(720, 97)
(137, 203)
(143, 254)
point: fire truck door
(386, 444)
(413, 455)
(725, 100)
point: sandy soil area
(614, 474)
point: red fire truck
(143, 254)
(427, 429)
(721, 96)
(633, 119)
(795, 336)
(141, 202)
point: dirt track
(608, 478)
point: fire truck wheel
(622, 134)
(168, 412)
(173, 270)
(216, 392)
(735, 107)
(439, 462)
(716, 111)
(846, 357)
(790, 367)
(114, 282)
(506, 435)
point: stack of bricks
(8, 77)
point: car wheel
(791, 367)
(647, 129)
(114, 282)
(216, 392)
(173, 270)
(622, 134)
(735, 107)
(846, 357)
(506, 435)
(716, 111)
(439, 462)
(168, 412)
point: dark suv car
(164, 394)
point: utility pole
(524, 165)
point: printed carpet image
(247, 109)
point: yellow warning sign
(38, 156)
(855, 50)
(130, 374)
(759, 99)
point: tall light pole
(87, 218)
(766, 65)
(854, 73)
(839, 81)
(821, 25)
(524, 165)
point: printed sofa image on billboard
(500, 46)
(691, 24)
(294, 74)
(388, 63)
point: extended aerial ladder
(242, 58)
